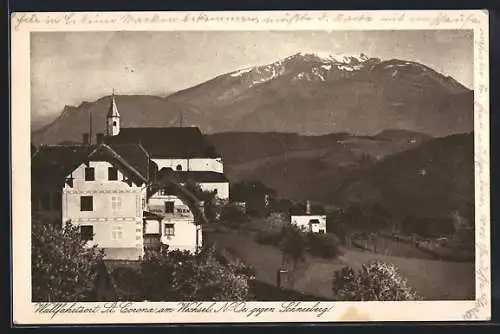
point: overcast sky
(68, 68)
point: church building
(181, 149)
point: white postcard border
(24, 312)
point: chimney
(85, 139)
(99, 138)
(308, 207)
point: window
(179, 167)
(169, 207)
(169, 230)
(86, 203)
(116, 233)
(321, 231)
(114, 123)
(87, 232)
(116, 202)
(112, 174)
(89, 174)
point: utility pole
(90, 127)
(181, 120)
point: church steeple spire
(113, 118)
(113, 109)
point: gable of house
(132, 161)
(166, 180)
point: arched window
(179, 167)
(114, 123)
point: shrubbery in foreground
(375, 281)
(63, 269)
(179, 275)
(321, 245)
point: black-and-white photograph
(301, 167)
(252, 165)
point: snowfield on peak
(335, 57)
(313, 66)
(318, 64)
(242, 71)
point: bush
(293, 244)
(63, 269)
(324, 245)
(375, 281)
(182, 276)
(126, 284)
(232, 214)
(268, 238)
(294, 241)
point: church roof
(194, 176)
(167, 142)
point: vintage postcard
(208, 167)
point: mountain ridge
(302, 93)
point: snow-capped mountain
(308, 93)
(310, 66)
(318, 66)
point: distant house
(309, 222)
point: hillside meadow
(432, 279)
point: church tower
(113, 118)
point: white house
(309, 222)
(102, 191)
(172, 222)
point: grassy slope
(432, 279)
(313, 163)
(397, 181)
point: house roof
(53, 163)
(166, 179)
(195, 176)
(132, 158)
(151, 215)
(169, 142)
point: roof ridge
(120, 158)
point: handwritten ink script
(55, 309)
(482, 166)
(288, 19)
